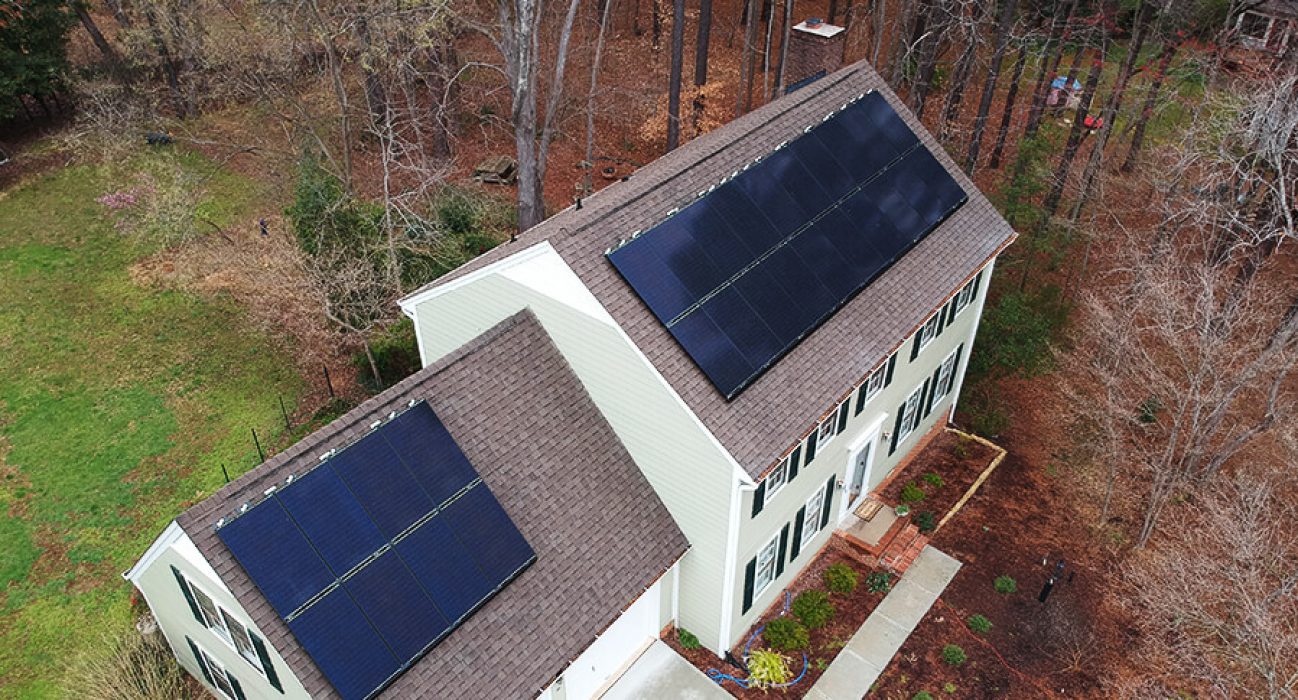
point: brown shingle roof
(768, 418)
(600, 533)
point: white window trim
(222, 630)
(880, 374)
(217, 670)
(934, 322)
(772, 487)
(774, 546)
(910, 413)
(832, 422)
(809, 533)
(964, 298)
(945, 380)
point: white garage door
(615, 649)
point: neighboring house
(724, 354)
(1269, 26)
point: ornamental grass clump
(767, 669)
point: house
(1268, 26)
(676, 389)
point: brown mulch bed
(958, 460)
(851, 610)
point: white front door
(860, 458)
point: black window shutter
(928, 405)
(793, 463)
(924, 396)
(955, 366)
(750, 573)
(860, 396)
(914, 349)
(238, 691)
(796, 546)
(896, 427)
(189, 596)
(759, 498)
(784, 548)
(811, 445)
(842, 416)
(829, 499)
(977, 280)
(266, 665)
(202, 665)
(892, 362)
(944, 318)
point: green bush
(1021, 330)
(954, 655)
(980, 624)
(1005, 584)
(948, 687)
(922, 695)
(687, 639)
(933, 479)
(961, 449)
(878, 582)
(911, 493)
(396, 353)
(786, 634)
(813, 608)
(840, 578)
(767, 668)
(926, 521)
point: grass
(118, 405)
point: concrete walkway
(661, 673)
(870, 650)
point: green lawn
(118, 405)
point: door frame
(869, 438)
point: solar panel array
(745, 272)
(376, 554)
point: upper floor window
(964, 297)
(827, 430)
(929, 330)
(910, 414)
(875, 383)
(225, 626)
(777, 479)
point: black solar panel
(379, 552)
(745, 272)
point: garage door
(615, 649)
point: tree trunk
(833, 11)
(784, 47)
(928, 54)
(533, 149)
(1110, 112)
(1051, 204)
(657, 24)
(674, 86)
(746, 60)
(1008, 115)
(847, 31)
(876, 29)
(119, 14)
(900, 48)
(701, 46)
(375, 98)
(1147, 110)
(590, 97)
(1048, 67)
(334, 62)
(169, 69)
(955, 97)
(1003, 24)
(110, 54)
(374, 366)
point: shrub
(954, 655)
(910, 493)
(840, 578)
(813, 608)
(961, 449)
(767, 668)
(1005, 584)
(948, 688)
(980, 624)
(878, 582)
(129, 666)
(786, 634)
(396, 352)
(926, 521)
(922, 695)
(933, 479)
(687, 639)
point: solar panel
(745, 272)
(379, 552)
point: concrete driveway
(661, 673)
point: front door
(860, 458)
(859, 469)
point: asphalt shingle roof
(771, 416)
(521, 416)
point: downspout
(742, 484)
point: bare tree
(1151, 99)
(1007, 115)
(1004, 23)
(1075, 135)
(674, 80)
(1054, 50)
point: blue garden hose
(720, 678)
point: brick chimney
(815, 49)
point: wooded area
(1146, 155)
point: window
(220, 677)
(777, 479)
(945, 378)
(225, 626)
(909, 418)
(929, 330)
(874, 384)
(811, 517)
(765, 566)
(963, 297)
(828, 429)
